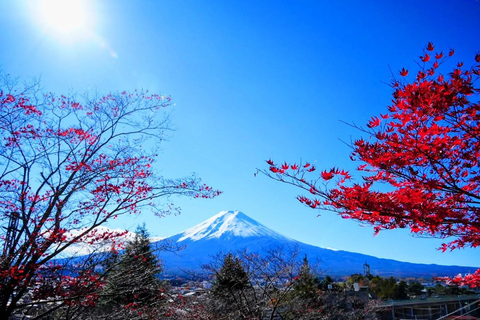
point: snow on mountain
(231, 231)
(84, 247)
(227, 224)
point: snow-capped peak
(228, 223)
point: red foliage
(426, 149)
(67, 168)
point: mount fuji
(230, 231)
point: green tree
(133, 283)
(306, 283)
(439, 289)
(231, 288)
(231, 277)
(327, 281)
(400, 291)
(415, 288)
(387, 288)
(356, 278)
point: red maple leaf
(404, 72)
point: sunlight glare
(65, 17)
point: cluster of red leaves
(99, 236)
(198, 190)
(18, 103)
(425, 149)
(471, 280)
(79, 288)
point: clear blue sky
(251, 80)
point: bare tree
(282, 285)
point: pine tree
(231, 277)
(306, 283)
(133, 282)
(232, 290)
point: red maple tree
(68, 166)
(420, 164)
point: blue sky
(251, 80)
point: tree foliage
(415, 288)
(133, 282)
(388, 288)
(306, 284)
(232, 289)
(231, 277)
(68, 165)
(419, 164)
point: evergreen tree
(232, 290)
(306, 283)
(401, 289)
(133, 282)
(415, 288)
(326, 282)
(389, 288)
(232, 277)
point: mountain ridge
(230, 231)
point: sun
(67, 18)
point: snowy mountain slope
(231, 231)
(228, 224)
(82, 248)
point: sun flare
(65, 17)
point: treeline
(389, 288)
(277, 285)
